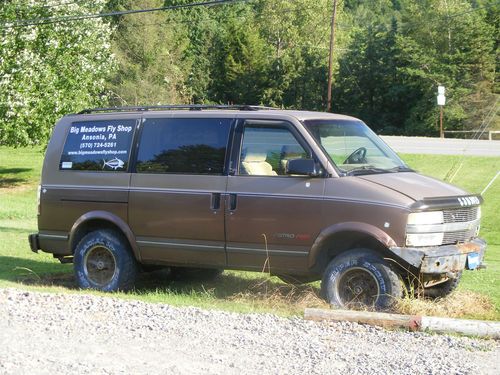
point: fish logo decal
(113, 163)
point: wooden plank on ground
(392, 321)
(479, 328)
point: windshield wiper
(367, 169)
(401, 168)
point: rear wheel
(360, 278)
(103, 261)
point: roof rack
(191, 107)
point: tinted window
(98, 146)
(191, 146)
(266, 150)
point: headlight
(423, 229)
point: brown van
(303, 195)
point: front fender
(358, 227)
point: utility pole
(330, 62)
(441, 101)
(441, 131)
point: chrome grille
(460, 215)
(458, 237)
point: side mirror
(302, 167)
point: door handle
(233, 200)
(215, 201)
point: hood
(414, 185)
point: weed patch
(459, 304)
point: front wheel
(103, 261)
(360, 278)
(444, 289)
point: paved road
(424, 145)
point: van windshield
(354, 148)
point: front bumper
(441, 259)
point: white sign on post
(441, 99)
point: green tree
(262, 52)
(298, 33)
(239, 70)
(197, 57)
(148, 48)
(402, 50)
(368, 84)
(446, 42)
(49, 70)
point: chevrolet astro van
(301, 195)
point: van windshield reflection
(354, 148)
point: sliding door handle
(215, 202)
(233, 200)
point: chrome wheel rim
(99, 265)
(357, 287)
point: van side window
(98, 146)
(266, 150)
(183, 145)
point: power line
(51, 20)
(488, 118)
(338, 25)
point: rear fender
(110, 220)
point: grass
(478, 295)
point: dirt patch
(14, 185)
(13, 177)
(28, 277)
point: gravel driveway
(80, 334)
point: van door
(272, 219)
(176, 210)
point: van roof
(240, 109)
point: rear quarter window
(183, 145)
(98, 146)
